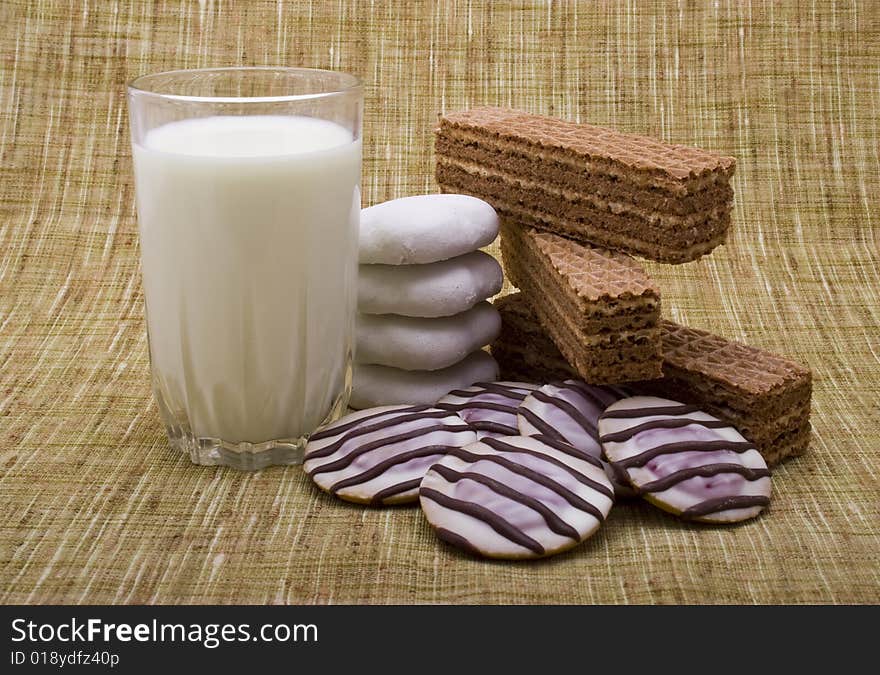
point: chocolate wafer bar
(523, 350)
(669, 203)
(598, 306)
(765, 396)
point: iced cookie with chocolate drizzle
(569, 412)
(516, 497)
(490, 408)
(684, 460)
(380, 455)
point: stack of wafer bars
(576, 201)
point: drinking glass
(248, 199)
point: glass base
(248, 456)
(243, 456)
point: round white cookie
(381, 385)
(684, 460)
(516, 497)
(569, 412)
(489, 407)
(380, 455)
(425, 229)
(434, 289)
(425, 344)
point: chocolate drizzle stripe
(569, 449)
(514, 392)
(539, 424)
(479, 405)
(570, 410)
(348, 458)
(457, 540)
(378, 469)
(682, 446)
(575, 500)
(392, 490)
(554, 522)
(483, 514)
(488, 388)
(724, 504)
(336, 445)
(494, 427)
(630, 413)
(331, 430)
(501, 446)
(620, 479)
(705, 471)
(665, 423)
(592, 393)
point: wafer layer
(598, 306)
(661, 201)
(765, 396)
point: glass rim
(136, 85)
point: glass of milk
(247, 189)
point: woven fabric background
(96, 507)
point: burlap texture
(97, 508)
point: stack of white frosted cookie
(423, 312)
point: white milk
(248, 230)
